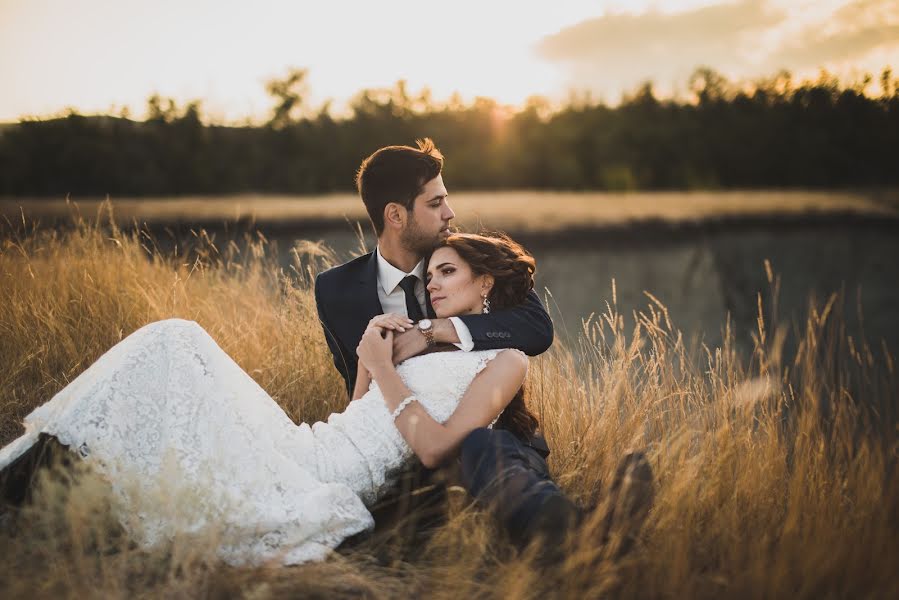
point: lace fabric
(190, 443)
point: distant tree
(161, 109)
(289, 95)
(770, 132)
(888, 86)
(708, 85)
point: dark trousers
(511, 479)
(406, 515)
(417, 500)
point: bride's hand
(391, 321)
(375, 349)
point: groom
(406, 199)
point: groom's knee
(471, 454)
(475, 443)
(483, 454)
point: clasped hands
(389, 339)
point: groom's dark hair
(396, 174)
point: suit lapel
(370, 301)
(369, 281)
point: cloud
(659, 33)
(866, 12)
(853, 31)
(743, 39)
(620, 50)
(814, 49)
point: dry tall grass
(775, 477)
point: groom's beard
(414, 239)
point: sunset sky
(101, 55)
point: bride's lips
(436, 299)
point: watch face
(424, 324)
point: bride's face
(454, 288)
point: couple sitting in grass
(430, 332)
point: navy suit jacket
(347, 299)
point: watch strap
(429, 335)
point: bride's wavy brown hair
(512, 269)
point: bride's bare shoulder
(513, 357)
(509, 362)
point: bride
(191, 444)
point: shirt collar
(389, 276)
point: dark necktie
(412, 305)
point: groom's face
(429, 220)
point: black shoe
(630, 498)
(550, 530)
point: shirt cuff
(464, 335)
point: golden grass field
(520, 211)
(774, 477)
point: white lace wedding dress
(191, 444)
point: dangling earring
(486, 305)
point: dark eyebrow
(438, 197)
(440, 266)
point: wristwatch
(426, 327)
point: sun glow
(97, 54)
(105, 55)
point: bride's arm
(433, 442)
(386, 322)
(363, 380)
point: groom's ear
(395, 215)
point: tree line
(768, 133)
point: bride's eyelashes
(445, 271)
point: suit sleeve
(526, 327)
(338, 352)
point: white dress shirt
(393, 298)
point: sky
(103, 55)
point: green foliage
(771, 133)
